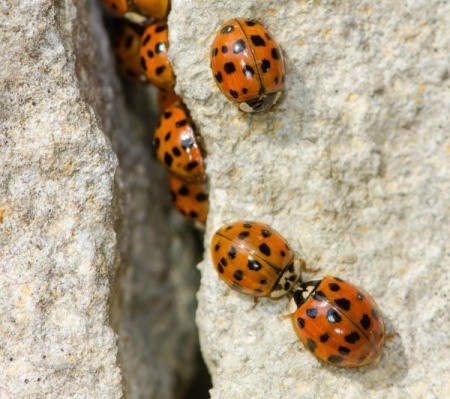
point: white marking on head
(246, 108)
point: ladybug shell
(191, 199)
(339, 322)
(166, 99)
(118, 7)
(154, 8)
(247, 64)
(177, 147)
(254, 259)
(154, 61)
(126, 50)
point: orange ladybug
(154, 61)
(338, 322)
(155, 8)
(247, 64)
(254, 259)
(166, 99)
(126, 51)
(177, 146)
(191, 199)
(118, 7)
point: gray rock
(352, 167)
(88, 250)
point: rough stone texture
(352, 168)
(69, 216)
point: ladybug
(126, 51)
(254, 259)
(155, 8)
(247, 65)
(191, 199)
(118, 7)
(177, 146)
(338, 322)
(154, 61)
(166, 99)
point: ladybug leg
(255, 302)
(284, 316)
(393, 335)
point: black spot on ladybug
(301, 322)
(360, 296)
(238, 275)
(224, 49)
(160, 70)
(227, 29)
(254, 265)
(352, 337)
(324, 337)
(176, 151)
(214, 52)
(181, 123)
(264, 248)
(160, 28)
(311, 345)
(282, 253)
(266, 233)
(244, 90)
(333, 316)
(247, 225)
(167, 115)
(365, 321)
(374, 314)
(167, 136)
(156, 143)
(193, 214)
(229, 68)
(334, 287)
(343, 303)
(335, 359)
(287, 286)
(224, 262)
(276, 80)
(275, 54)
(238, 47)
(183, 191)
(143, 64)
(219, 77)
(268, 37)
(191, 165)
(257, 40)
(187, 142)
(265, 65)
(150, 53)
(248, 71)
(232, 253)
(146, 39)
(219, 268)
(243, 235)
(234, 94)
(249, 22)
(160, 48)
(312, 313)
(216, 247)
(319, 296)
(343, 350)
(168, 159)
(128, 42)
(201, 197)
(263, 282)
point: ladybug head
(260, 104)
(302, 293)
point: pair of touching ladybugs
(335, 320)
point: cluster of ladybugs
(141, 56)
(335, 320)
